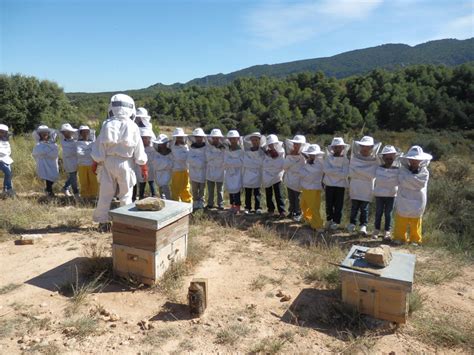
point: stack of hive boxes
(146, 243)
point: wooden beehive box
(383, 297)
(146, 243)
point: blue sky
(113, 45)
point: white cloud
(279, 24)
(460, 28)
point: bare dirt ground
(246, 266)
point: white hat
(313, 149)
(298, 139)
(216, 132)
(67, 128)
(178, 132)
(272, 138)
(337, 141)
(198, 132)
(389, 149)
(146, 132)
(43, 128)
(366, 141)
(83, 128)
(3, 127)
(416, 153)
(162, 139)
(233, 134)
(255, 134)
(142, 113)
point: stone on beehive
(150, 204)
(379, 256)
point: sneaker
(247, 212)
(387, 235)
(414, 244)
(258, 211)
(351, 228)
(297, 218)
(209, 207)
(10, 193)
(220, 208)
(375, 234)
(67, 192)
(334, 226)
(363, 230)
(328, 224)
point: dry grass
(231, 334)
(9, 288)
(437, 269)
(261, 281)
(81, 327)
(268, 345)
(327, 274)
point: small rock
(44, 343)
(131, 337)
(460, 294)
(114, 317)
(240, 319)
(24, 347)
(104, 312)
(37, 317)
(43, 305)
(279, 293)
(113, 325)
(36, 340)
(195, 321)
(285, 298)
(125, 322)
(150, 204)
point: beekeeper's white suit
(252, 163)
(233, 162)
(117, 148)
(272, 172)
(46, 155)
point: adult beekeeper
(117, 148)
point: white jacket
(5, 152)
(233, 162)
(272, 171)
(119, 137)
(69, 155)
(83, 151)
(412, 190)
(252, 168)
(162, 167)
(362, 178)
(215, 163)
(336, 170)
(386, 182)
(312, 175)
(293, 166)
(150, 151)
(46, 156)
(180, 157)
(197, 164)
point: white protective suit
(252, 163)
(336, 169)
(196, 160)
(180, 156)
(69, 147)
(233, 162)
(162, 166)
(215, 163)
(84, 149)
(150, 152)
(272, 171)
(312, 174)
(293, 166)
(5, 152)
(386, 182)
(362, 173)
(412, 189)
(118, 147)
(46, 157)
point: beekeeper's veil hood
(142, 119)
(390, 149)
(416, 153)
(272, 139)
(43, 128)
(122, 106)
(297, 139)
(366, 141)
(338, 142)
(248, 140)
(198, 132)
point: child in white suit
(215, 168)
(233, 162)
(147, 136)
(336, 171)
(6, 161)
(272, 174)
(386, 186)
(45, 153)
(293, 165)
(252, 170)
(410, 202)
(311, 185)
(162, 164)
(87, 178)
(180, 189)
(197, 166)
(69, 146)
(364, 162)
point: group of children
(184, 166)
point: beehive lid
(400, 270)
(130, 215)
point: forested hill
(449, 52)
